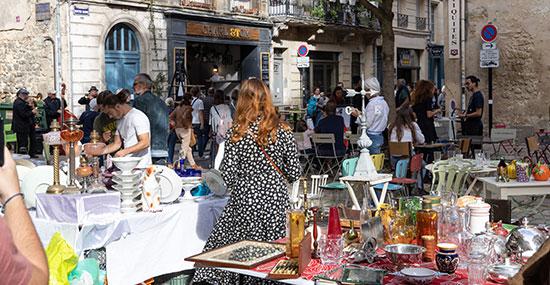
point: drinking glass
(480, 157)
(459, 156)
(331, 250)
(437, 156)
(476, 269)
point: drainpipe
(58, 57)
(463, 52)
(49, 39)
(70, 58)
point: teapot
(524, 241)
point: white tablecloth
(142, 245)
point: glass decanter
(462, 237)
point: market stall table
(369, 182)
(142, 245)
(315, 268)
(506, 190)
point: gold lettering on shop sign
(222, 31)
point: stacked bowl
(128, 183)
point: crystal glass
(450, 153)
(480, 157)
(459, 156)
(331, 250)
(387, 213)
(410, 205)
(461, 238)
(401, 228)
(476, 269)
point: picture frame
(225, 256)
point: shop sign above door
(222, 31)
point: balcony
(402, 21)
(201, 4)
(250, 7)
(421, 23)
(324, 11)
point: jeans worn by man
(201, 141)
(172, 140)
(377, 143)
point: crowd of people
(414, 120)
(260, 152)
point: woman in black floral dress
(258, 181)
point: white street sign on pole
(302, 62)
(489, 58)
(492, 45)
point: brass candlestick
(53, 138)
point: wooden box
(295, 267)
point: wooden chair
(465, 145)
(315, 190)
(402, 149)
(324, 159)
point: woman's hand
(9, 184)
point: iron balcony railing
(203, 4)
(421, 23)
(322, 10)
(402, 20)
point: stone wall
(521, 88)
(26, 58)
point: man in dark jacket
(85, 100)
(157, 112)
(52, 107)
(23, 123)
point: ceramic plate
(22, 171)
(37, 181)
(170, 184)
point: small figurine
(150, 196)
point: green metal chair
(348, 169)
(9, 136)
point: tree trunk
(388, 61)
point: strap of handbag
(271, 161)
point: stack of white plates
(129, 186)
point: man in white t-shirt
(198, 119)
(133, 130)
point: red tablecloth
(315, 267)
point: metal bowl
(500, 273)
(402, 255)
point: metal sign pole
(490, 101)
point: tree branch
(376, 11)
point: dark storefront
(216, 52)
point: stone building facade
(519, 83)
(105, 43)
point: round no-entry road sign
(489, 33)
(303, 50)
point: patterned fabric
(259, 197)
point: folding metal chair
(324, 159)
(302, 154)
(533, 149)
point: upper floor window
(121, 38)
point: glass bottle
(502, 171)
(461, 238)
(295, 232)
(426, 221)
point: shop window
(323, 71)
(355, 64)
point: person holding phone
(22, 257)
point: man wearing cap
(87, 120)
(52, 107)
(85, 100)
(23, 123)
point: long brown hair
(255, 101)
(404, 119)
(424, 90)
